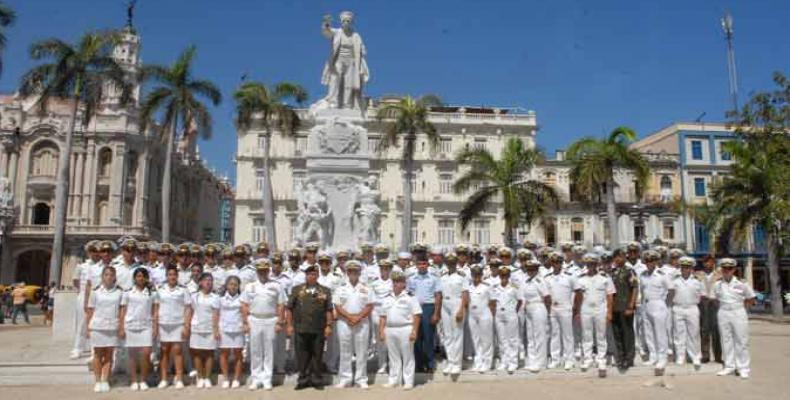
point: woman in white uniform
(508, 303)
(139, 323)
(103, 320)
(481, 321)
(231, 340)
(204, 329)
(734, 297)
(175, 306)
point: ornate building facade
(115, 182)
(645, 213)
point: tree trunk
(61, 199)
(166, 182)
(268, 196)
(408, 166)
(611, 215)
(777, 307)
(509, 236)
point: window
(446, 146)
(413, 185)
(480, 143)
(261, 141)
(41, 214)
(550, 230)
(669, 230)
(577, 230)
(666, 188)
(297, 181)
(446, 232)
(445, 183)
(105, 163)
(639, 230)
(415, 233)
(481, 232)
(373, 145)
(696, 150)
(260, 179)
(550, 178)
(724, 154)
(699, 187)
(638, 191)
(702, 237)
(301, 145)
(258, 230)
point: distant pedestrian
(20, 303)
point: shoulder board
(97, 287)
(485, 283)
(547, 274)
(660, 272)
(181, 286)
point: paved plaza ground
(32, 368)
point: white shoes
(199, 384)
(568, 365)
(162, 385)
(207, 383)
(143, 386)
(101, 387)
(342, 385)
(179, 385)
(744, 375)
(97, 388)
(726, 371)
(363, 385)
(235, 385)
(553, 364)
(388, 385)
(408, 387)
(134, 386)
(74, 355)
(382, 369)
(252, 386)
(455, 370)
(267, 387)
(226, 385)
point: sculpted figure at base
(314, 220)
(366, 211)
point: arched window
(40, 214)
(105, 162)
(577, 230)
(44, 159)
(666, 183)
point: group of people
(314, 312)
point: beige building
(645, 214)
(115, 182)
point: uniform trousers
(561, 320)
(687, 338)
(593, 323)
(281, 353)
(734, 330)
(709, 327)
(400, 351)
(639, 330)
(536, 322)
(379, 347)
(261, 355)
(481, 329)
(623, 330)
(80, 341)
(426, 339)
(452, 335)
(309, 354)
(332, 356)
(522, 333)
(656, 331)
(353, 341)
(507, 330)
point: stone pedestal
(63, 320)
(338, 164)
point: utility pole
(726, 26)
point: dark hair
(618, 253)
(708, 257)
(171, 267)
(205, 275)
(232, 278)
(144, 271)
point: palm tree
(7, 17)
(523, 199)
(177, 97)
(407, 117)
(78, 72)
(757, 192)
(264, 107)
(594, 162)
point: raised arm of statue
(326, 27)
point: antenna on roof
(726, 26)
(699, 118)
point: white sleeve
(415, 307)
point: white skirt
(139, 337)
(171, 333)
(104, 338)
(231, 340)
(202, 341)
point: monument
(338, 202)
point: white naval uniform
(123, 274)
(399, 312)
(217, 275)
(562, 287)
(263, 299)
(282, 351)
(481, 325)
(654, 289)
(202, 329)
(596, 289)
(247, 275)
(138, 322)
(157, 274)
(453, 287)
(353, 339)
(518, 276)
(184, 274)
(106, 304)
(332, 281)
(81, 274)
(506, 319)
(685, 311)
(639, 313)
(231, 332)
(733, 322)
(534, 291)
(380, 290)
(173, 303)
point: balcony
(39, 182)
(103, 230)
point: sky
(585, 67)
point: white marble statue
(366, 211)
(346, 71)
(314, 219)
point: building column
(12, 166)
(141, 194)
(116, 184)
(72, 187)
(78, 189)
(89, 185)
(4, 163)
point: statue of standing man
(345, 72)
